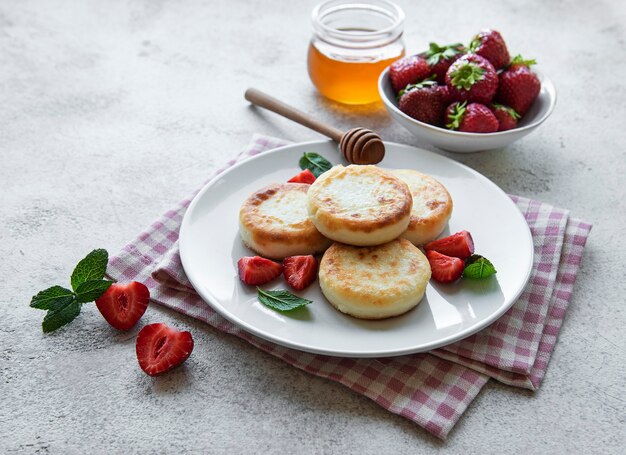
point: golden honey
(349, 82)
(352, 43)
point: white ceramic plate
(210, 248)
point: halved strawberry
(459, 245)
(300, 271)
(445, 269)
(256, 270)
(160, 348)
(305, 176)
(122, 305)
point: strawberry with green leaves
(470, 118)
(408, 70)
(425, 102)
(472, 78)
(441, 57)
(519, 86)
(490, 45)
(507, 117)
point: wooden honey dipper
(358, 145)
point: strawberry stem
(519, 60)
(466, 75)
(458, 112)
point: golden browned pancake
(359, 205)
(374, 282)
(273, 221)
(432, 206)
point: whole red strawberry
(425, 102)
(441, 57)
(471, 118)
(472, 78)
(507, 117)
(491, 45)
(408, 70)
(519, 86)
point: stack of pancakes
(376, 219)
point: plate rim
(251, 329)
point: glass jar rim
(358, 38)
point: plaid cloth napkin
(432, 389)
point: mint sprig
(315, 163)
(88, 284)
(478, 267)
(281, 300)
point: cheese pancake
(374, 282)
(359, 205)
(273, 221)
(432, 206)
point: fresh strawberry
(300, 271)
(160, 348)
(459, 245)
(472, 118)
(491, 45)
(519, 86)
(507, 117)
(425, 102)
(472, 78)
(256, 270)
(122, 305)
(441, 57)
(305, 176)
(445, 269)
(408, 70)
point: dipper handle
(266, 101)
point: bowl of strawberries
(467, 98)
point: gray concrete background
(110, 112)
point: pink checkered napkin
(432, 389)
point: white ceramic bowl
(456, 141)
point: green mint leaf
(58, 317)
(88, 291)
(92, 267)
(315, 163)
(51, 298)
(281, 300)
(478, 267)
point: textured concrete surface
(112, 111)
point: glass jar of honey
(353, 41)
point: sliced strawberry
(257, 270)
(445, 269)
(305, 176)
(160, 348)
(300, 271)
(459, 245)
(122, 305)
